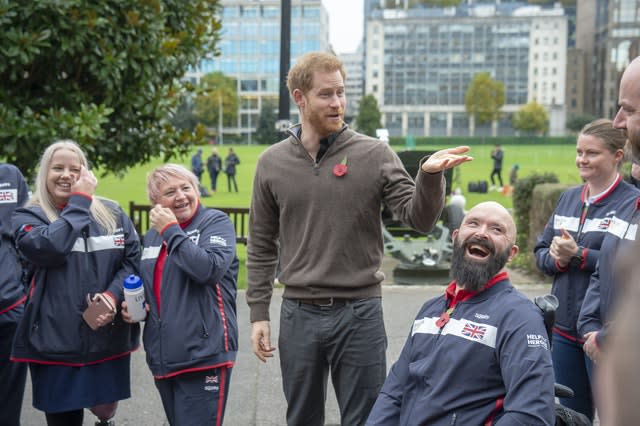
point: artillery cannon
(423, 258)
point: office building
(354, 85)
(609, 34)
(420, 61)
(250, 52)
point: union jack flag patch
(474, 331)
(210, 379)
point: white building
(420, 61)
(354, 84)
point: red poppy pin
(638, 203)
(341, 168)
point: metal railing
(139, 215)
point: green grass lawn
(558, 159)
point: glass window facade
(433, 62)
(250, 49)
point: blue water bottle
(134, 296)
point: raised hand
(86, 182)
(446, 159)
(159, 217)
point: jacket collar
(453, 298)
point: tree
(216, 91)
(369, 117)
(184, 117)
(266, 132)
(102, 72)
(577, 122)
(532, 118)
(484, 98)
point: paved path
(256, 390)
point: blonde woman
(78, 246)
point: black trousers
(496, 172)
(346, 340)
(12, 374)
(231, 179)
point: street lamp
(220, 138)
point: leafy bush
(522, 196)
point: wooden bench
(139, 215)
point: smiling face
(180, 196)
(322, 107)
(483, 245)
(596, 163)
(63, 171)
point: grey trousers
(349, 341)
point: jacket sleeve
(544, 261)
(47, 244)
(416, 204)
(23, 189)
(527, 372)
(589, 318)
(130, 260)
(262, 248)
(206, 261)
(386, 410)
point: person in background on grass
(190, 270)
(315, 209)
(458, 199)
(513, 174)
(480, 354)
(13, 194)
(214, 165)
(497, 155)
(230, 163)
(452, 214)
(77, 245)
(197, 165)
(571, 245)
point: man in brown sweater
(315, 211)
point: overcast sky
(345, 24)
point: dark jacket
(196, 163)
(196, 326)
(489, 364)
(73, 257)
(497, 157)
(230, 164)
(214, 164)
(13, 194)
(601, 296)
(602, 218)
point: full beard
(632, 148)
(322, 125)
(473, 275)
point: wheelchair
(565, 416)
